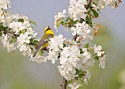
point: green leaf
(62, 23)
(21, 20)
(81, 73)
(81, 51)
(64, 45)
(13, 40)
(77, 71)
(81, 20)
(96, 57)
(74, 22)
(32, 22)
(68, 19)
(22, 31)
(86, 46)
(35, 42)
(91, 50)
(89, 20)
(41, 52)
(1, 26)
(95, 13)
(0, 33)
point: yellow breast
(49, 32)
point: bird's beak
(49, 27)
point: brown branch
(87, 7)
(6, 31)
(89, 2)
(64, 84)
(75, 37)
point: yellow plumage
(48, 33)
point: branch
(12, 33)
(64, 84)
(75, 37)
(87, 7)
(89, 2)
(5, 31)
(15, 35)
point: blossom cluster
(16, 30)
(19, 33)
(75, 55)
(4, 4)
(103, 3)
(77, 9)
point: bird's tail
(35, 52)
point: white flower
(86, 58)
(68, 60)
(55, 46)
(87, 77)
(17, 26)
(56, 42)
(110, 2)
(86, 54)
(77, 9)
(39, 59)
(70, 54)
(24, 38)
(98, 49)
(102, 62)
(53, 55)
(31, 32)
(16, 17)
(83, 30)
(103, 3)
(74, 85)
(6, 44)
(59, 17)
(67, 71)
(4, 4)
(22, 42)
(71, 59)
(2, 16)
(101, 54)
(24, 49)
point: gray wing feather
(43, 41)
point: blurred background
(17, 72)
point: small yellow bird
(48, 33)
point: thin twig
(89, 2)
(75, 37)
(64, 84)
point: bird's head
(48, 30)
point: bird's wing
(43, 40)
